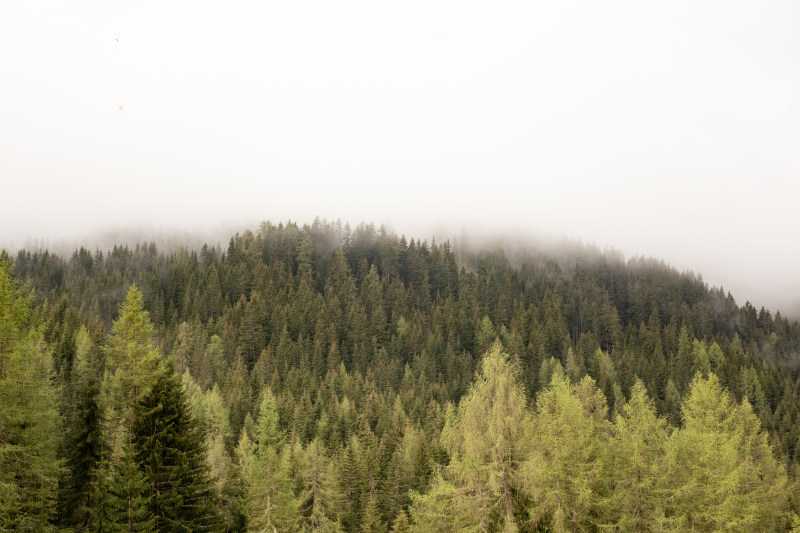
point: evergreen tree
(365, 340)
(132, 358)
(488, 441)
(444, 508)
(170, 451)
(637, 466)
(564, 473)
(87, 448)
(29, 421)
(726, 474)
(401, 524)
(319, 499)
(127, 499)
(270, 501)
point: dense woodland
(318, 378)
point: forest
(325, 378)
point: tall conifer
(170, 451)
(29, 421)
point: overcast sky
(669, 129)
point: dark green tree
(170, 450)
(87, 448)
(125, 507)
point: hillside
(331, 379)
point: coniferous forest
(323, 378)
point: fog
(657, 129)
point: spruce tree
(564, 471)
(319, 499)
(127, 494)
(726, 476)
(444, 508)
(271, 503)
(488, 441)
(86, 448)
(636, 464)
(29, 421)
(133, 360)
(170, 451)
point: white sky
(658, 128)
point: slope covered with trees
(319, 378)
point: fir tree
(87, 447)
(270, 501)
(636, 464)
(170, 451)
(319, 500)
(133, 359)
(127, 494)
(726, 474)
(487, 440)
(564, 473)
(29, 422)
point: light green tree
(29, 421)
(488, 440)
(132, 360)
(565, 472)
(724, 474)
(126, 502)
(319, 500)
(636, 464)
(271, 504)
(444, 508)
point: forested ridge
(323, 378)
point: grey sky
(657, 128)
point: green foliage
(444, 508)
(132, 359)
(125, 507)
(565, 471)
(364, 339)
(727, 477)
(319, 498)
(487, 440)
(636, 464)
(270, 501)
(29, 421)
(87, 447)
(170, 451)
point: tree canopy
(329, 378)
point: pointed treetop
(133, 324)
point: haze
(665, 129)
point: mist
(666, 131)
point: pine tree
(132, 358)
(444, 508)
(726, 474)
(98, 510)
(127, 494)
(29, 421)
(319, 500)
(401, 524)
(636, 464)
(564, 473)
(270, 501)
(170, 451)
(351, 459)
(488, 441)
(87, 448)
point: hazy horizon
(474, 239)
(659, 130)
